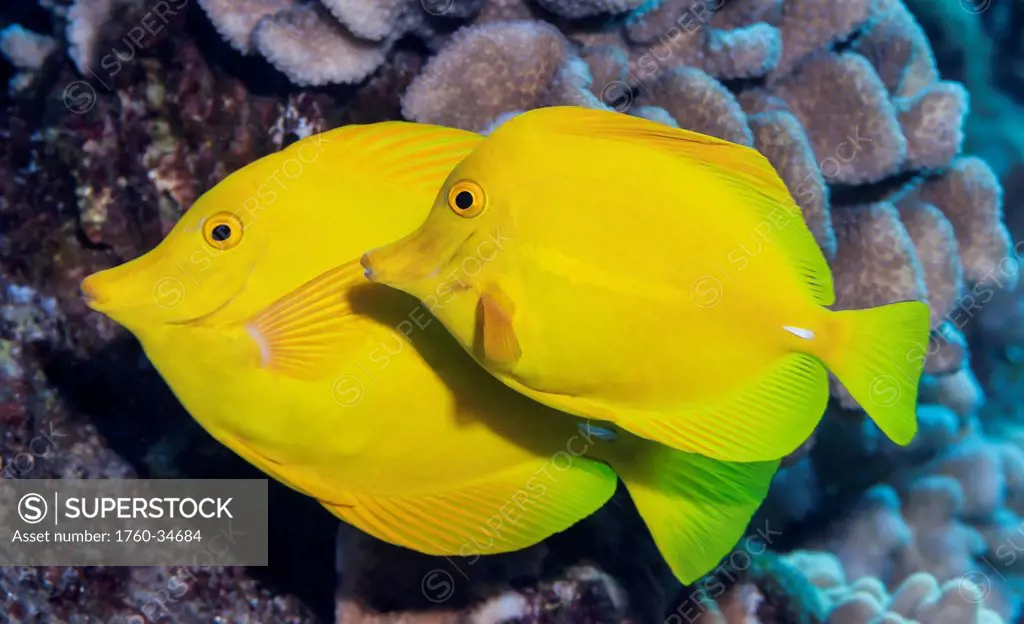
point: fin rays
(448, 522)
(795, 392)
(303, 330)
(410, 154)
(743, 169)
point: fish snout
(90, 295)
(400, 265)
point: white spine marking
(799, 332)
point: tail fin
(882, 361)
(695, 507)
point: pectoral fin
(505, 512)
(303, 333)
(495, 337)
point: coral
(859, 113)
(699, 102)
(919, 598)
(504, 11)
(896, 45)
(28, 51)
(305, 42)
(936, 245)
(780, 137)
(971, 198)
(42, 439)
(375, 21)
(576, 9)
(982, 48)
(491, 69)
(609, 65)
(677, 33)
(875, 261)
(961, 391)
(311, 49)
(811, 25)
(738, 605)
(236, 21)
(932, 140)
(654, 113)
(869, 115)
(85, 22)
(952, 518)
(843, 98)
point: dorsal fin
(409, 155)
(745, 170)
(732, 159)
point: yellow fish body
(256, 312)
(663, 280)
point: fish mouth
(195, 320)
(90, 296)
(94, 299)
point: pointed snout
(96, 291)
(114, 290)
(399, 264)
(88, 291)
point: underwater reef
(895, 130)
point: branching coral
(303, 41)
(28, 51)
(677, 33)
(843, 98)
(699, 102)
(852, 120)
(336, 41)
(971, 198)
(589, 8)
(919, 598)
(954, 518)
(85, 22)
(305, 44)
(833, 120)
(236, 21)
(497, 68)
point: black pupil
(464, 200)
(221, 233)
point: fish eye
(466, 199)
(223, 230)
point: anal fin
(507, 512)
(765, 420)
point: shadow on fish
(619, 292)
(256, 311)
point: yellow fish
(663, 280)
(256, 312)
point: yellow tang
(616, 268)
(256, 312)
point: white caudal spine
(799, 332)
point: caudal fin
(695, 507)
(881, 363)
